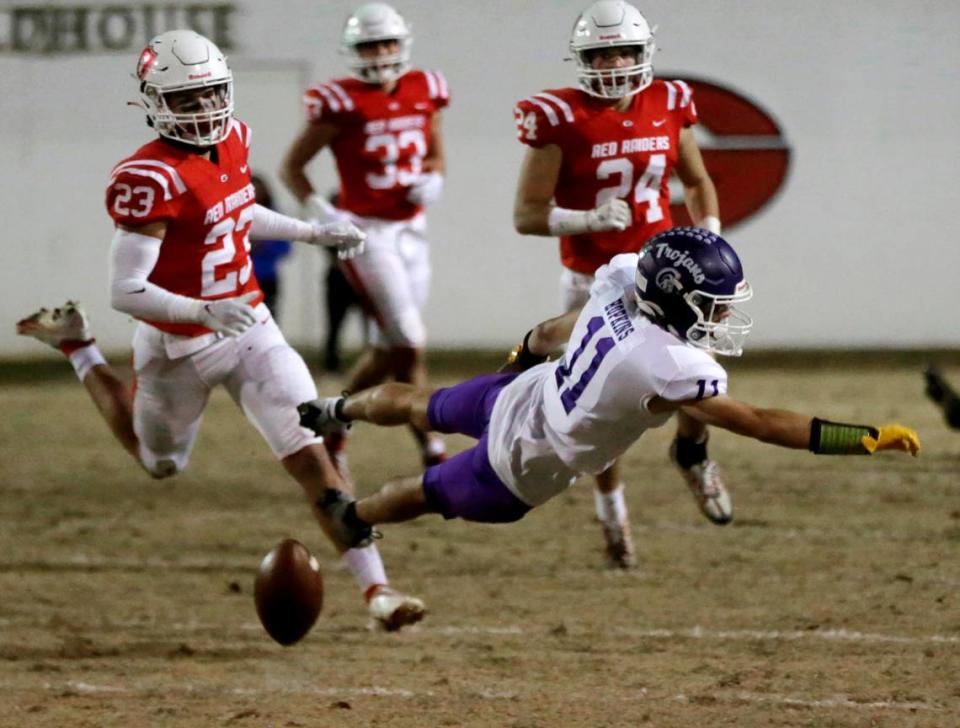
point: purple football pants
(466, 486)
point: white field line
(376, 691)
(696, 632)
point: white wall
(858, 250)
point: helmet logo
(668, 281)
(680, 259)
(147, 58)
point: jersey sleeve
(680, 103)
(540, 118)
(144, 191)
(437, 89)
(685, 373)
(327, 102)
(615, 278)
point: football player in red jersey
(184, 209)
(383, 126)
(596, 174)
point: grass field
(833, 599)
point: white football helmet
(371, 23)
(608, 24)
(181, 61)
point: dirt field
(833, 600)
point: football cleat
(704, 481)
(391, 610)
(66, 324)
(619, 540)
(346, 528)
(940, 391)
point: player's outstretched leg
(940, 391)
(702, 476)
(67, 329)
(614, 519)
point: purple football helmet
(688, 280)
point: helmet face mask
(186, 88)
(376, 40)
(688, 282)
(610, 24)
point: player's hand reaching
(611, 215)
(344, 236)
(427, 190)
(893, 437)
(318, 210)
(229, 316)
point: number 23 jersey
(578, 414)
(381, 138)
(208, 209)
(609, 154)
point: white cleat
(391, 610)
(619, 539)
(704, 481)
(66, 324)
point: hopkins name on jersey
(577, 415)
(381, 138)
(609, 154)
(208, 209)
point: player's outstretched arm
(794, 430)
(343, 235)
(540, 342)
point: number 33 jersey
(381, 138)
(608, 154)
(208, 209)
(578, 414)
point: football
(288, 592)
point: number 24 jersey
(208, 209)
(610, 154)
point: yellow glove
(893, 437)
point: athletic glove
(228, 316)
(344, 236)
(893, 437)
(611, 215)
(427, 190)
(317, 209)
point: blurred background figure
(940, 391)
(339, 299)
(266, 254)
(383, 126)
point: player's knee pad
(282, 382)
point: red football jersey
(382, 138)
(607, 154)
(208, 208)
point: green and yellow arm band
(838, 438)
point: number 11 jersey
(578, 414)
(610, 154)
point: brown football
(288, 592)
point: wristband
(522, 357)
(838, 438)
(562, 221)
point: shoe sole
(402, 616)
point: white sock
(86, 358)
(366, 566)
(435, 446)
(611, 507)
